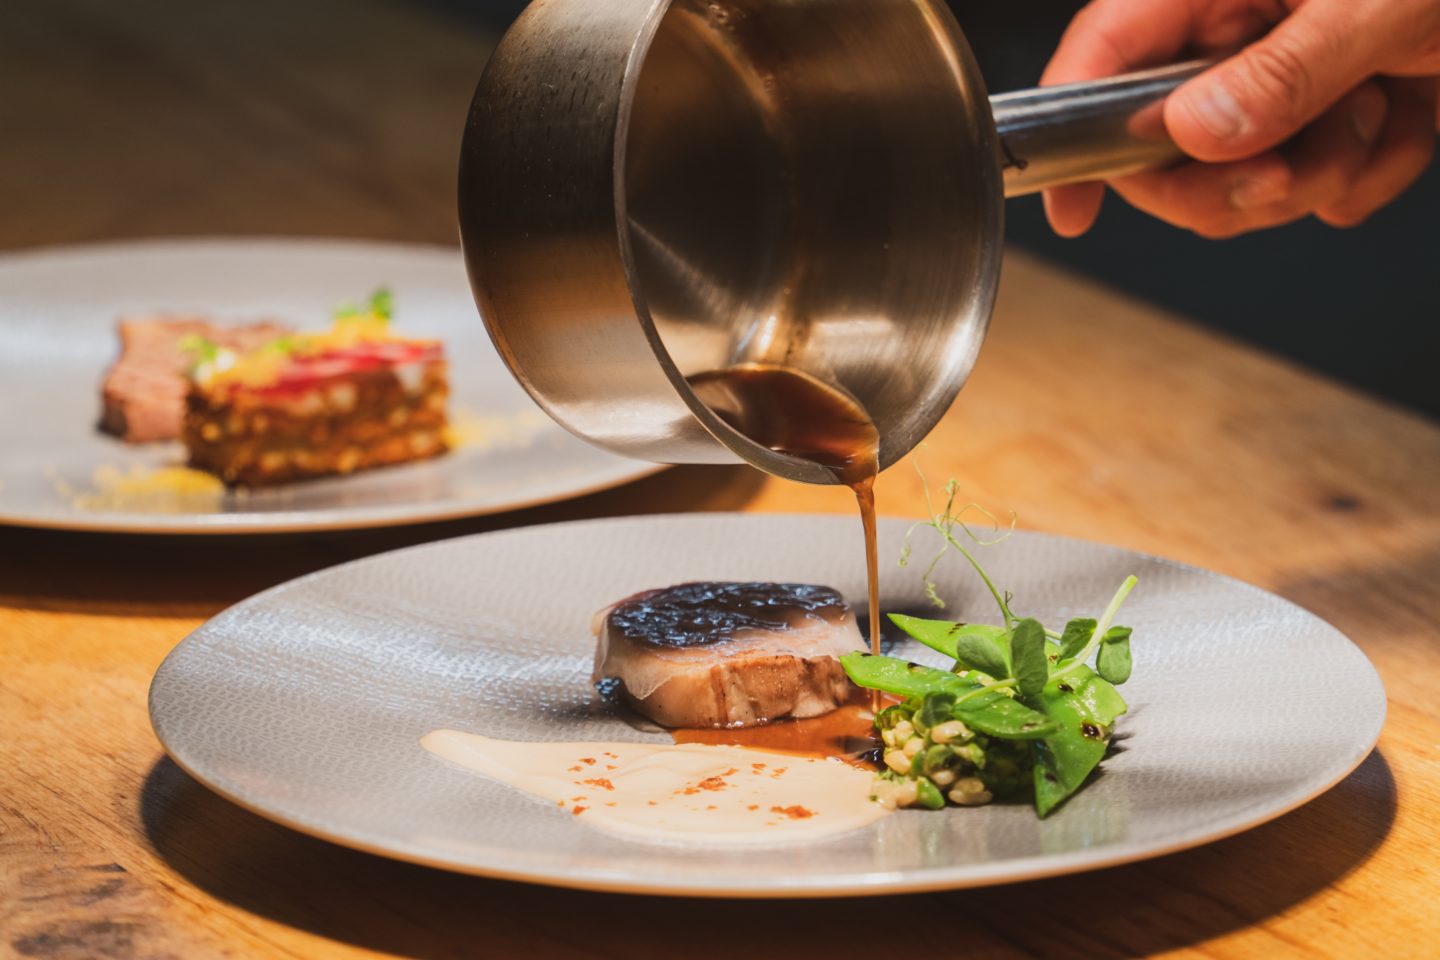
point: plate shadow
(1151, 907)
(111, 574)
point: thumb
(1266, 93)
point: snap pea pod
(989, 709)
(903, 678)
(978, 646)
(1083, 708)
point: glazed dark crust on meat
(338, 425)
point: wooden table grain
(1089, 415)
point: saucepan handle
(1087, 131)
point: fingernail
(1215, 109)
(1367, 117)
(1258, 191)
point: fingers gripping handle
(1093, 130)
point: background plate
(306, 704)
(57, 326)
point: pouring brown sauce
(708, 790)
(797, 414)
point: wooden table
(1089, 415)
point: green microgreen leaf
(382, 303)
(982, 648)
(1027, 657)
(1101, 628)
(1077, 634)
(284, 345)
(1113, 661)
(200, 348)
(936, 709)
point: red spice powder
(709, 783)
(589, 760)
(600, 782)
(778, 772)
(794, 812)
(578, 810)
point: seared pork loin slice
(143, 396)
(715, 654)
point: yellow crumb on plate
(142, 489)
(471, 431)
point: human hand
(1333, 112)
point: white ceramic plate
(306, 704)
(57, 336)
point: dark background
(168, 117)
(1362, 305)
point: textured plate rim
(321, 521)
(966, 876)
(286, 521)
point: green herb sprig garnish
(285, 345)
(201, 352)
(944, 523)
(381, 304)
(1021, 712)
(200, 349)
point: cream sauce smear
(676, 792)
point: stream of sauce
(794, 413)
(779, 782)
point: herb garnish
(200, 349)
(381, 305)
(205, 356)
(1021, 711)
(285, 345)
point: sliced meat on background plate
(143, 395)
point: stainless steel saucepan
(654, 188)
